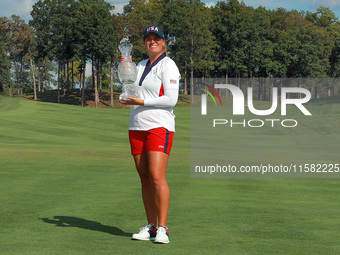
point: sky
(24, 7)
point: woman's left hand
(132, 101)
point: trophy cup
(127, 72)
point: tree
(62, 29)
(16, 53)
(30, 52)
(41, 13)
(21, 50)
(5, 63)
(96, 34)
(192, 44)
(232, 29)
(132, 23)
(285, 43)
(260, 61)
(146, 11)
(313, 51)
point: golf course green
(68, 185)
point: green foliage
(18, 48)
(278, 43)
(231, 27)
(192, 42)
(5, 63)
(41, 23)
(94, 30)
(229, 39)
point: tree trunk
(80, 78)
(192, 71)
(68, 75)
(227, 92)
(39, 78)
(264, 89)
(96, 99)
(111, 85)
(21, 74)
(72, 74)
(34, 85)
(100, 80)
(185, 80)
(260, 89)
(315, 92)
(59, 81)
(65, 77)
(192, 84)
(44, 75)
(271, 91)
(93, 78)
(83, 85)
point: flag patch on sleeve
(173, 81)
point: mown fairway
(68, 186)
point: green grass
(68, 186)
(315, 139)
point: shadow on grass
(67, 221)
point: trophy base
(124, 96)
(128, 91)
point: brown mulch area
(73, 97)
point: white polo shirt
(158, 86)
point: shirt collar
(157, 60)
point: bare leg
(158, 162)
(148, 194)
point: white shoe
(146, 233)
(162, 235)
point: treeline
(67, 33)
(229, 39)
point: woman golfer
(151, 130)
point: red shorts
(157, 139)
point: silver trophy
(127, 72)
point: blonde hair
(165, 48)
